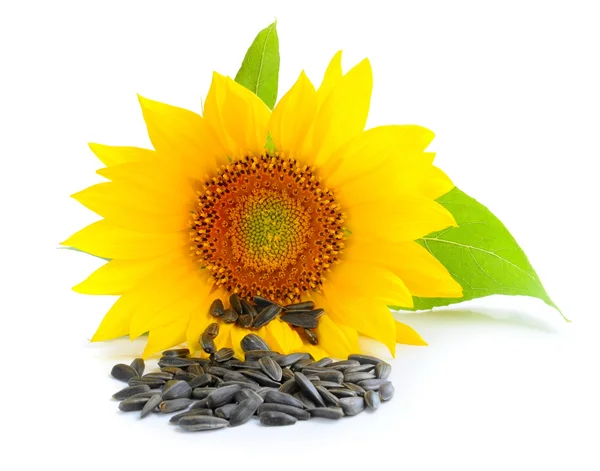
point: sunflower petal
(166, 337)
(293, 115)
(181, 137)
(104, 239)
(405, 334)
(436, 183)
(333, 74)
(115, 155)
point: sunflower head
(297, 204)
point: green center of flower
(268, 230)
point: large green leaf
(259, 72)
(480, 254)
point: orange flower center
(266, 226)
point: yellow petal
(333, 74)
(104, 239)
(367, 280)
(405, 219)
(181, 137)
(420, 271)
(405, 334)
(166, 337)
(118, 276)
(115, 323)
(245, 118)
(293, 115)
(343, 114)
(401, 146)
(213, 114)
(115, 155)
(370, 318)
(436, 183)
(282, 338)
(134, 208)
(334, 339)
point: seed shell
(260, 378)
(176, 390)
(235, 303)
(130, 391)
(176, 417)
(311, 337)
(225, 411)
(245, 320)
(307, 387)
(333, 413)
(242, 413)
(364, 359)
(153, 383)
(271, 368)
(342, 365)
(195, 370)
(300, 319)
(374, 384)
(123, 372)
(221, 396)
(303, 306)
(201, 381)
(176, 352)
(212, 330)
(386, 391)
(175, 361)
(253, 342)
(297, 412)
(327, 396)
(133, 404)
(198, 423)
(358, 376)
(216, 308)
(138, 365)
(248, 308)
(352, 405)
(276, 419)
(383, 370)
(325, 374)
(224, 354)
(229, 316)
(152, 404)
(201, 393)
(174, 405)
(372, 399)
(207, 343)
(266, 315)
(279, 397)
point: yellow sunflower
(330, 215)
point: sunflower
(296, 204)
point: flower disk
(266, 226)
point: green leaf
(480, 254)
(259, 72)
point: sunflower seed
(322, 363)
(152, 404)
(201, 404)
(364, 359)
(383, 370)
(279, 397)
(245, 320)
(145, 395)
(184, 377)
(372, 399)
(130, 391)
(225, 411)
(352, 405)
(325, 374)
(304, 306)
(138, 365)
(372, 384)
(173, 370)
(359, 369)
(286, 374)
(173, 405)
(255, 355)
(291, 358)
(333, 413)
(262, 392)
(201, 393)
(329, 384)
(276, 419)
(175, 361)
(224, 354)
(229, 316)
(242, 413)
(263, 302)
(203, 362)
(311, 337)
(327, 396)
(316, 313)
(176, 352)
(359, 376)
(386, 391)
(238, 364)
(176, 390)
(297, 412)
(246, 393)
(266, 315)
(216, 308)
(198, 423)
(253, 342)
(300, 319)
(207, 343)
(303, 398)
(260, 378)
(212, 330)
(355, 387)
(123, 372)
(201, 381)
(342, 365)
(159, 375)
(151, 382)
(235, 303)
(235, 376)
(342, 393)
(195, 369)
(299, 365)
(289, 387)
(308, 388)
(271, 368)
(217, 371)
(221, 396)
(176, 417)
(242, 384)
(248, 308)
(133, 403)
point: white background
(511, 90)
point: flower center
(266, 226)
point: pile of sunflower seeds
(302, 316)
(224, 391)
